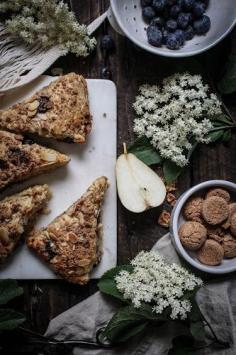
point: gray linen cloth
(217, 300)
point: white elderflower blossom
(48, 23)
(159, 284)
(175, 114)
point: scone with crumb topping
(71, 244)
(59, 110)
(21, 158)
(17, 215)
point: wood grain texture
(128, 67)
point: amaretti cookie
(229, 246)
(192, 235)
(220, 193)
(192, 209)
(211, 253)
(233, 224)
(215, 210)
(232, 209)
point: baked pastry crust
(59, 110)
(20, 159)
(71, 244)
(17, 214)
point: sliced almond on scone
(60, 110)
(17, 215)
(21, 159)
(71, 243)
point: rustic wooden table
(128, 66)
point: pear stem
(125, 148)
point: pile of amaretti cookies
(210, 229)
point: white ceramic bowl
(227, 265)
(128, 16)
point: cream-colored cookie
(215, 210)
(192, 235)
(211, 253)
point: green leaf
(221, 118)
(9, 319)
(197, 330)
(129, 321)
(216, 135)
(9, 290)
(107, 282)
(195, 315)
(227, 135)
(144, 151)
(171, 171)
(227, 84)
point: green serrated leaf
(195, 315)
(9, 319)
(216, 135)
(171, 171)
(144, 151)
(129, 321)
(227, 135)
(9, 290)
(227, 84)
(107, 283)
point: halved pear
(139, 187)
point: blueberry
(188, 4)
(148, 13)
(198, 9)
(154, 36)
(189, 33)
(202, 25)
(175, 10)
(165, 14)
(107, 43)
(180, 36)
(172, 41)
(183, 20)
(171, 25)
(165, 34)
(159, 5)
(157, 21)
(146, 3)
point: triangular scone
(71, 244)
(22, 158)
(17, 215)
(60, 110)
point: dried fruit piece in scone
(59, 110)
(17, 215)
(71, 244)
(21, 158)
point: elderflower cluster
(48, 23)
(175, 114)
(158, 283)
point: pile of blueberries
(172, 22)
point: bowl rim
(171, 54)
(174, 225)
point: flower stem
(221, 127)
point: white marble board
(96, 158)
